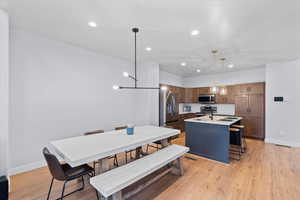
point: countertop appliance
(187, 108)
(207, 99)
(168, 108)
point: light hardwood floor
(266, 172)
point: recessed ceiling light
(195, 32)
(148, 49)
(125, 74)
(230, 65)
(198, 70)
(183, 64)
(92, 24)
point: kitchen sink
(226, 120)
(231, 118)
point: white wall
(60, 91)
(4, 90)
(229, 78)
(170, 79)
(282, 119)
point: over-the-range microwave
(207, 99)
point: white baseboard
(282, 142)
(25, 168)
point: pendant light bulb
(214, 90)
(116, 87)
(164, 88)
(125, 74)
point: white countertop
(217, 120)
(181, 113)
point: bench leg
(104, 198)
(117, 196)
(179, 167)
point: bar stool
(244, 142)
(236, 141)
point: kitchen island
(210, 138)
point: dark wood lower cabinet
(181, 123)
(254, 127)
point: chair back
(120, 128)
(94, 132)
(54, 165)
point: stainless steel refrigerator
(168, 108)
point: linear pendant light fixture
(116, 87)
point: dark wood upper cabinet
(251, 88)
(204, 90)
(188, 95)
(181, 92)
(222, 99)
(191, 95)
(195, 95)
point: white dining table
(84, 149)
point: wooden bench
(112, 182)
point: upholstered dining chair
(116, 163)
(126, 152)
(66, 173)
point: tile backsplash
(223, 109)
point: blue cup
(130, 131)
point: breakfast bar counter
(210, 138)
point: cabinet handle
(248, 110)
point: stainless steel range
(208, 109)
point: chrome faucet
(211, 116)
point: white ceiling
(248, 33)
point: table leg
(103, 165)
(138, 152)
(165, 142)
